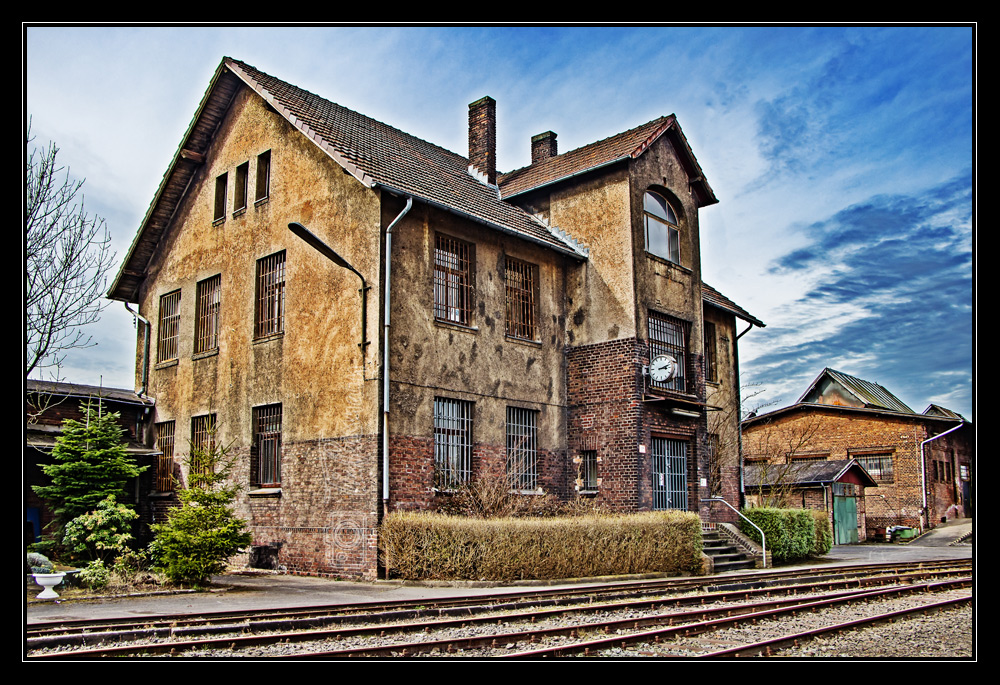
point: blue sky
(842, 158)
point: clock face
(662, 368)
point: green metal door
(845, 520)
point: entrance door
(670, 474)
(845, 520)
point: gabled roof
(376, 154)
(62, 389)
(938, 410)
(617, 148)
(761, 474)
(871, 395)
(713, 297)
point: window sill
(219, 221)
(537, 491)
(523, 341)
(455, 326)
(207, 353)
(167, 364)
(663, 260)
(161, 494)
(272, 493)
(239, 212)
(261, 201)
(268, 338)
(587, 493)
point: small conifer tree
(90, 464)
(204, 531)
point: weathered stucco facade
(517, 337)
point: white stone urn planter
(48, 581)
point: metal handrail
(763, 540)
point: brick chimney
(543, 146)
(483, 139)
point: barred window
(588, 470)
(206, 333)
(165, 462)
(879, 466)
(711, 370)
(662, 233)
(265, 458)
(220, 197)
(452, 443)
(263, 176)
(521, 285)
(453, 280)
(202, 441)
(522, 448)
(669, 336)
(670, 474)
(269, 315)
(240, 197)
(169, 330)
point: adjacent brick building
(923, 463)
(430, 320)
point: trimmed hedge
(824, 532)
(790, 533)
(421, 546)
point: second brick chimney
(483, 139)
(543, 146)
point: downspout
(385, 354)
(145, 350)
(923, 469)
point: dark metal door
(669, 474)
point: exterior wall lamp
(328, 252)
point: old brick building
(923, 464)
(430, 320)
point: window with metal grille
(588, 470)
(453, 282)
(522, 448)
(202, 441)
(711, 370)
(269, 315)
(220, 197)
(265, 458)
(452, 443)
(169, 329)
(165, 462)
(521, 284)
(662, 233)
(669, 474)
(240, 192)
(669, 336)
(263, 176)
(879, 466)
(206, 329)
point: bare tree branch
(67, 256)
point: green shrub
(824, 532)
(790, 533)
(101, 534)
(95, 575)
(203, 532)
(420, 545)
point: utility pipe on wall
(145, 349)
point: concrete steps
(725, 555)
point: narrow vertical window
(265, 466)
(206, 333)
(521, 284)
(240, 197)
(452, 443)
(169, 329)
(522, 448)
(165, 462)
(263, 176)
(269, 318)
(588, 470)
(662, 233)
(453, 285)
(220, 197)
(202, 441)
(711, 360)
(669, 336)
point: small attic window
(220, 197)
(240, 198)
(662, 230)
(263, 176)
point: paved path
(240, 592)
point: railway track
(588, 619)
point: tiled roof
(627, 145)
(757, 474)
(871, 394)
(78, 390)
(378, 154)
(717, 299)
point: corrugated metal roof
(757, 474)
(872, 395)
(944, 412)
(78, 390)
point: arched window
(662, 232)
